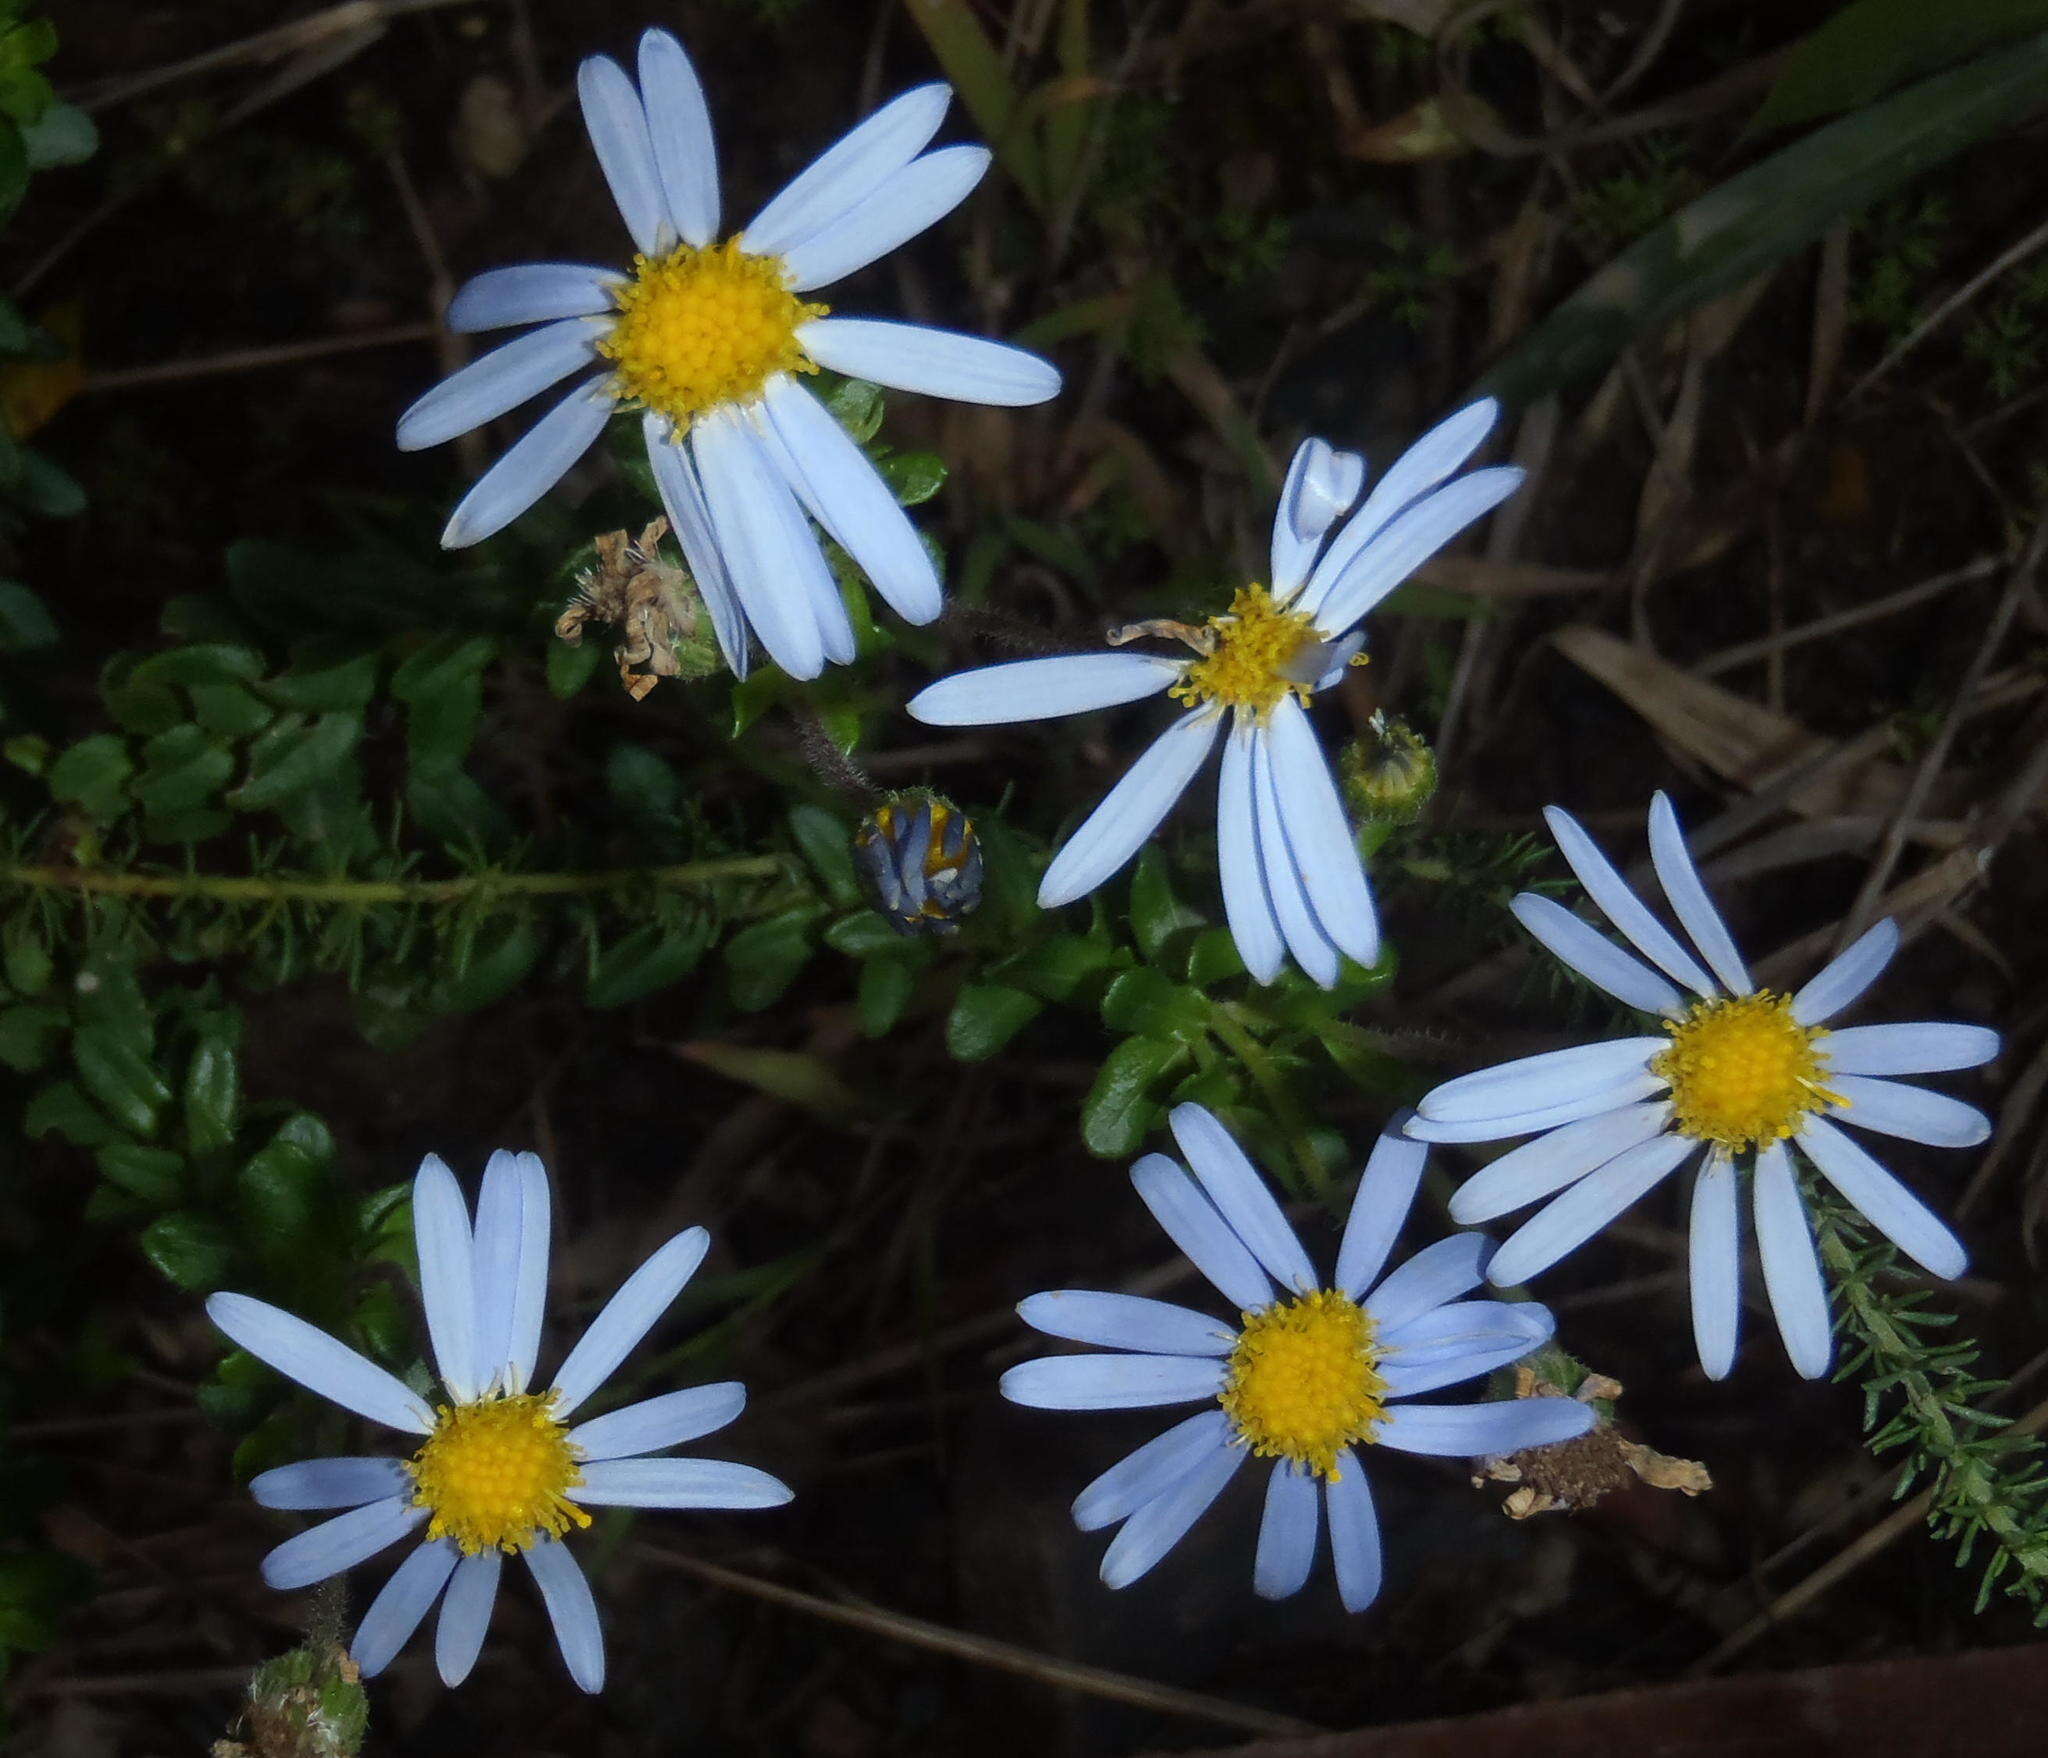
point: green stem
(1251, 1054)
(491, 883)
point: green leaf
(47, 489)
(763, 960)
(237, 1392)
(30, 1034)
(156, 1175)
(827, 843)
(192, 1249)
(1156, 914)
(281, 1185)
(26, 625)
(182, 769)
(62, 135)
(37, 1588)
(63, 1109)
(442, 686)
(570, 668)
(1152, 1005)
(986, 1017)
(863, 935)
(914, 477)
(121, 1078)
(213, 1087)
(327, 686)
(292, 756)
(499, 960)
(26, 959)
(793, 1076)
(1119, 1111)
(886, 986)
(207, 663)
(1213, 958)
(1867, 48)
(643, 961)
(92, 775)
(1756, 219)
(647, 786)
(230, 709)
(1059, 969)
(857, 406)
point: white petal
(1354, 1533)
(1340, 596)
(1312, 948)
(1714, 1255)
(689, 515)
(1430, 460)
(1435, 1274)
(1127, 1321)
(1924, 1047)
(1140, 1476)
(531, 465)
(1573, 1218)
(847, 171)
(340, 1543)
(571, 1610)
(530, 1280)
(440, 1226)
(1041, 689)
(495, 1255)
(1555, 1077)
(655, 1423)
(320, 1363)
(1472, 1431)
(330, 1483)
(617, 125)
(936, 363)
(532, 293)
(1594, 956)
(1614, 1098)
(853, 502)
(1130, 812)
(797, 506)
(1502, 1332)
(1883, 1201)
(1784, 1240)
(678, 1483)
(627, 1317)
(1112, 1382)
(1247, 904)
(1386, 1192)
(500, 380)
(1318, 834)
(1162, 1522)
(1288, 1531)
(1892, 1108)
(762, 537)
(1689, 899)
(398, 1609)
(1532, 1171)
(923, 193)
(1321, 483)
(1844, 977)
(466, 1615)
(1605, 885)
(679, 132)
(1241, 1197)
(1190, 1220)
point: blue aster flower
(499, 1470)
(1308, 1373)
(711, 339)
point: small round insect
(919, 862)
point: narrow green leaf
(123, 1080)
(826, 840)
(764, 959)
(1156, 914)
(91, 774)
(886, 986)
(643, 961)
(1120, 1111)
(790, 1075)
(1151, 1004)
(213, 1089)
(292, 756)
(156, 1175)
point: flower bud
(1388, 773)
(919, 862)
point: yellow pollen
(1252, 656)
(496, 1474)
(700, 328)
(1743, 1071)
(1304, 1380)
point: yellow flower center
(1304, 1380)
(1254, 654)
(496, 1474)
(1743, 1071)
(700, 328)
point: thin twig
(1047, 1669)
(166, 372)
(1952, 304)
(257, 888)
(1888, 605)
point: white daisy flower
(499, 1471)
(1292, 877)
(709, 337)
(1741, 1072)
(1307, 1372)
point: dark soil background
(1727, 483)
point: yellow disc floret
(700, 328)
(1304, 1380)
(1743, 1070)
(1254, 654)
(496, 1474)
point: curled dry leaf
(1576, 1474)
